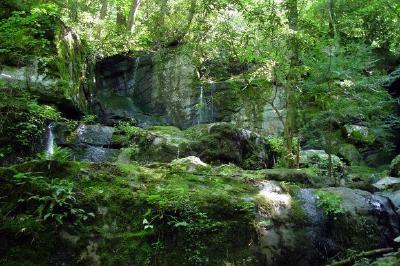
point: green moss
(303, 176)
(143, 214)
(297, 213)
(265, 205)
(357, 233)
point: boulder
(189, 164)
(360, 134)
(320, 160)
(395, 166)
(95, 135)
(92, 143)
(386, 183)
(97, 154)
(302, 226)
(350, 154)
(394, 197)
(218, 143)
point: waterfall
(201, 106)
(135, 70)
(50, 141)
(205, 109)
(213, 87)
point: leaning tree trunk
(132, 15)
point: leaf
(179, 224)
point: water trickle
(135, 70)
(50, 141)
(201, 106)
(213, 88)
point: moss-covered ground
(123, 214)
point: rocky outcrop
(65, 81)
(163, 89)
(217, 143)
(307, 226)
(92, 143)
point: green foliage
(89, 119)
(23, 121)
(27, 33)
(52, 201)
(330, 203)
(60, 155)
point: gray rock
(386, 183)
(95, 135)
(287, 239)
(97, 154)
(394, 197)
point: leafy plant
(89, 119)
(330, 203)
(27, 33)
(54, 201)
(59, 154)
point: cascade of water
(201, 106)
(213, 88)
(50, 141)
(135, 70)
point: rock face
(296, 229)
(163, 89)
(65, 84)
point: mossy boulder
(319, 159)
(360, 134)
(305, 226)
(219, 143)
(395, 167)
(350, 154)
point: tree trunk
(332, 22)
(104, 9)
(132, 15)
(293, 16)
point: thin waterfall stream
(50, 141)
